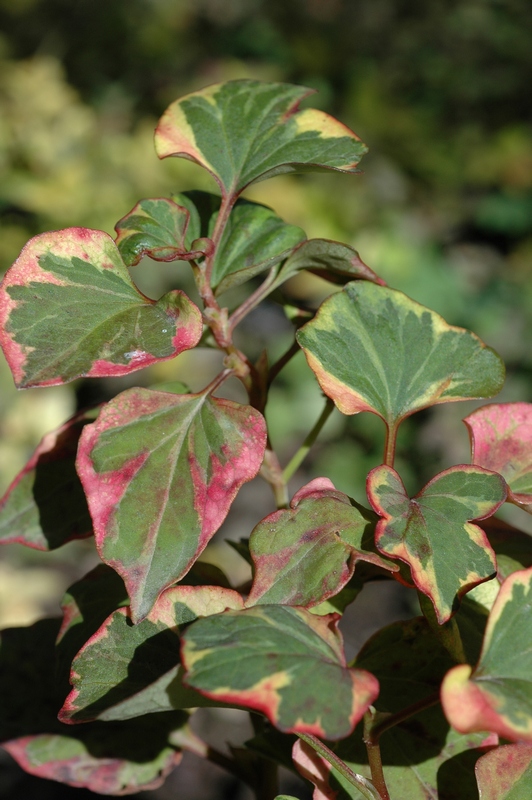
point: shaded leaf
(281, 661)
(512, 547)
(432, 532)
(307, 553)
(245, 131)
(68, 308)
(374, 349)
(45, 505)
(160, 472)
(505, 773)
(497, 694)
(501, 439)
(331, 260)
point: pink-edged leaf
(505, 773)
(45, 506)
(160, 472)
(127, 670)
(497, 694)
(282, 661)
(433, 532)
(307, 553)
(68, 308)
(501, 440)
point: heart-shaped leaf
(333, 261)
(374, 349)
(505, 773)
(160, 472)
(127, 670)
(497, 695)
(501, 439)
(306, 554)
(45, 506)
(245, 131)
(68, 308)
(282, 661)
(432, 532)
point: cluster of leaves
(102, 698)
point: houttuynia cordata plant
(438, 706)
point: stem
(365, 787)
(275, 369)
(448, 633)
(385, 722)
(226, 206)
(301, 454)
(374, 755)
(253, 300)
(272, 473)
(389, 446)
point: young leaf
(501, 438)
(127, 670)
(374, 349)
(432, 532)
(306, 554)
(333, 261)
(246, 131)
(505, 773)
(68, 308)
(45, 506)
(497, 695)
(160, 472)
(281, 661)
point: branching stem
(365, 787)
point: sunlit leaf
(432, 532)
(245, 131)
(505, 773)
(68, 308)
(333, 261)
(160, 472)
(281, 661)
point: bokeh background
(440, 90)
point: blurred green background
(441, 93)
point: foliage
(106, 693)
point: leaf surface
(432, 532)
(68, 308)
(501, 439)
(281, 661)
(45, 505)
(245, 131)
(512, 547)
(160, 472)
(497, 694)
(331, 260)
(505, 773)
(374, 349)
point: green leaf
(281, 661)
(308, 553)
(374, 349)
(331, 260)
(245, 131)
(432, 532)
(497, 694)
(45, 506)
(68, 308)
(501, 437)
(127, 670)
(505, 773)
(512, 547)
(196, 450)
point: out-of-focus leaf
(245, 131)
(374, 349)
(505, 773)
(501, 439)
(432, 532)
(512, 547)
(68, 308)
(497, 694)
(333, 261)
(45, 506)
(281, 661)
(160, 472)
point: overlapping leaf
(331, 260)
(45, 506)
(505, 773)
(501, 438)
(68, 308)
(432, 532)
(497, 694)
(160, 472)
(282, 661)
(245, 131)
(306, 554)
(512, 547)
(374, 349)
(127, 670)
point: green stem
(374, 755)
(301, 454)
(365, 787)
(448, 633)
